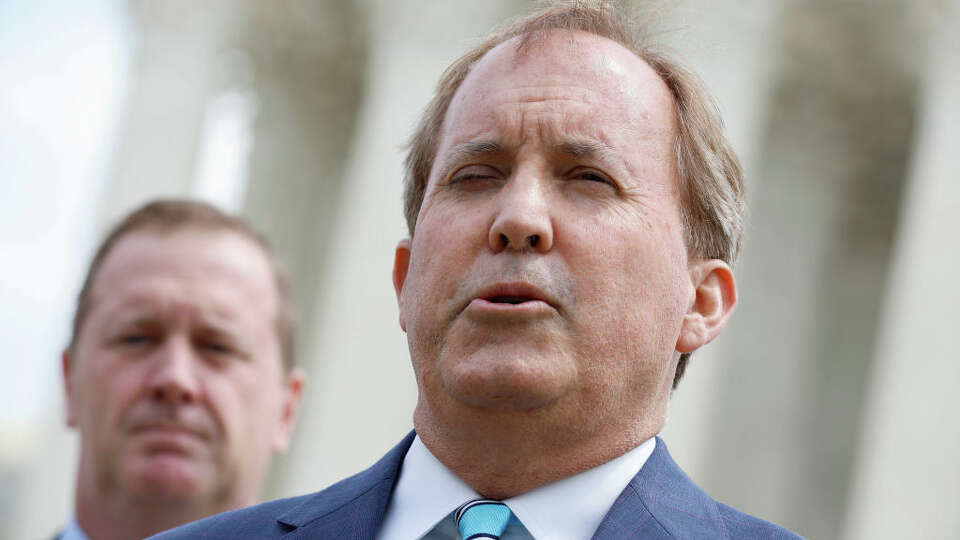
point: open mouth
(510, 299)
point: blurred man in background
(179, 375)
(574, 210)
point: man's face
(176, 382)
(548, 270)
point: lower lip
(530, 307)
(170, 439)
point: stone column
(907, 481)
(178, 46)
(308, 63)
(824, 206)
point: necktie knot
(482, 518)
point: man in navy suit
(574, 211)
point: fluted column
(907, 481)
(824, 207)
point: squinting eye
(593, 176)
(135, 339)
(467, 177)
(474, 172)
(218, 348)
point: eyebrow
(474, 149)
(576, 148)
(138, 311)
(584, 148)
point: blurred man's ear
(715, 296)
(65, 359)
(401, 263)
(291, 406)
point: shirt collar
(72, 531)
(561, 510)
(427, 492)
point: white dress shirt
(569, 509)
(72, 531)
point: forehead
(565, 80)
(220, 272)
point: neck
(120, 516)
(502, 454)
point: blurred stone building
(826, 406)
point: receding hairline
(523, 48)
(167, 231)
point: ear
(401, 264)
(715, 295)
(65, 360)
(288, 413)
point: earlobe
(71, 417)
(401, 264)
(715, 296)
(289, 412)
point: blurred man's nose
(174, 376)
(523, 221)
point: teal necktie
(482, 518)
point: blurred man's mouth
(166, 437)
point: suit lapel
(352, 509)
(662, 502)
(628, 518)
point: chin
(167, 476)
(504, 378)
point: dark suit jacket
(660, 502)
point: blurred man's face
(176, 382)
(548, 271)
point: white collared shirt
(72, 531)
(569, 509)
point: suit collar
(350, 508)
(662, 502)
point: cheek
(106, 390)
(631, 287)
(244, 400)
(439, 263)
(234, 396)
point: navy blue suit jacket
(660, 502)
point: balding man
(574, 210)
(179, 375)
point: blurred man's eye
(218, 348)
(136, 339)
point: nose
(174, 378)
(523, 222)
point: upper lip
(514, 292)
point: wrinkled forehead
(564, 69)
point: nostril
(534, 239)
(504, 241)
